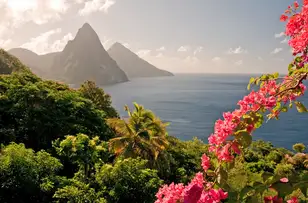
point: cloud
(183, 49)
(276, 50)
(191, 60)
(4, 43)
(216, 59)
(260, 58)
(238, 50)
(42, 45)
(17, 12)
(161, 49)
(238, 63)
(159, 55)
(96, 5)
(126, 45)
(284, 41)
(198, 50)
(278, 35)
(143, 52)
(59, 45)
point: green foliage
(299, 147)
(100, 99)
(9, 63)
(78, 192)
(181, 160)
(26, 176)
(35, 112)
(128, 180)
(82, 150)
(143, 134)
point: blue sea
(192, 103)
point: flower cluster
(194, 192)
(297, 27)
(264, 98)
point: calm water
(192, 103)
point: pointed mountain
(132, 64)
(84, 58)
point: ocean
(193, 102)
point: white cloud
(96, 5)
(159, 55)
(216, 59)
(59, 45)
(18, 12)
(276, 50)
(143, 52)
(183, 48)
(191, 60)
(260, 58)
(278, 35)
(161, 49)
(4, 43)
(42, 45)
(127, 45)
(284, 41)
(238, 63)
(238, 50)
(107, 42)
(198, 50)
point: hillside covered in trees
(69, 145)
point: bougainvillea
(233, 133)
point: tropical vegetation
(60, 144)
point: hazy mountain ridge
(85, 58)
(132, 64)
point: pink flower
(213, 196)
(284, 180)
(283, 18)
(193, 193)
(293, 200)
(205, 162)
(170, 194)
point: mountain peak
(86, 31)
(118, 45)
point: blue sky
(177, 35)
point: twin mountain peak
(85, 58)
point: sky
(182, 36)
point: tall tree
(100, 99)
(142, 134)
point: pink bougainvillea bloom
(296, 5)
(271, 199)
(293, 200)
(193, 193)
(283, 18)
(205, 162)
(284, 180)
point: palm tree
(142, 134)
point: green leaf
(243, 138)
(283, 189)
(222, 177)
(300, 107)
(276, 75)
(252, 80)
(284, 109)
(246, 192)
(266, 176)
(290, 105)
